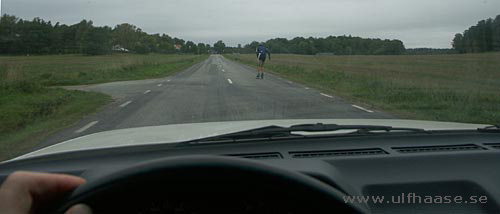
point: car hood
(185, 132)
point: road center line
(168, 80)
(326, 95)
(159, 85)
(306, 88)
(361, 108)
(230, 82)
(146, 92)
(125, 104)
(86, 127)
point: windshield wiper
(271, 132)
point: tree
(146, 43)
(250, 48)
(166, 44)
(37, 36)
(82, 29)
(190, 47)
(458, 43)
(341, 45)
(97, 41)
(483, 37)
(126, 36)
(496, 34)
(203, 49)
(8, 34)
(219, 47)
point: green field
(461, 88)
(31, 108)
(76, 69)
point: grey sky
(418, 23)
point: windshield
(74, 68)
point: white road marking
(326, 95)
(363, 109)
(146, 92)
(230, 82)
(86, 127)
(306, 88)
(125, 104)
(223, 70)
(168, 80)
(290, 82)
(159, 85)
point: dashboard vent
(450, 148)
(493, 145)
(273, 155)
(338, 153)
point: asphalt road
(214, 90)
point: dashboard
(388, 173)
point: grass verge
(459, 88)
(31, 110)
(28, 119)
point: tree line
(483, 37)
(18, 36)
(37, 36)
(337, 45)
(429, 51)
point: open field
(30, 109)
(76, 69)
(462, 88)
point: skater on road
(262, 52)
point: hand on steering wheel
(27, 192)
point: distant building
(177, 46)
(119, 48)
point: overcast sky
(418, 23)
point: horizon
(426, 24)
(227, 45)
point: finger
(43, 184)
(79, 209)
(23, 191)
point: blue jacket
(261, 52)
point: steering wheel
(205, 184)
